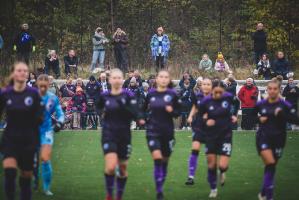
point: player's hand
(263, 119)
(189, 120)
(234, 119)
(141, 122)
(278, 112)
(169, 109)
(211, 122)
(58, 127)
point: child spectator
(221, 65)
(205, 63)
(53, 87)
(68, 89)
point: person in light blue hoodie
(205, 63)
(160, 46)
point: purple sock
(268, 185)
(10, 175)
(25, 185)
(158, 174)
(193, 163)
(212, 178)
(164, 168)
(109, 180)
(121, 184)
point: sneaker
(48, 193)
(190, 181)
(160, 196)
(222, 179)
(260, 197)
(213, 193)
(189, 128)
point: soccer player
(162, 105)
(23, 108)
(219, 110)
(120, 108)
(198, 126)
(47, 129)
(274, 113)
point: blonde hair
(116, 70)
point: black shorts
(163, 143)
(218, 146)
(274, 144)
(198, 136)
(122, 147)
(23, 155)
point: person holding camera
(248, 95)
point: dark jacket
(70, 61)
(24, 41)
(264, 68)
(122, 43)
(291, 93)
(192, 82)
(281, 67)
(93, 90)
(51, 64)
(260, 41)
(186, 98)
(232, 88)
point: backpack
(25, 38)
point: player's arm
(59, 116)
(291, 115)
(177, 106)
(40, 108)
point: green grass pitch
(78, 170)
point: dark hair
(43, 77)
(264, 54)
(218, 83)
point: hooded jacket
(248, 96)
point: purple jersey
(24, 113)
(220, 110)
(275, 125)
(198, 122)
(119, 111)
(159, 120)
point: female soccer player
(46, 130)
(220, 112)
(24, 111)
(274, 113)
(162, 104)
(197, 127)
(120, 108)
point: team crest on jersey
(264, 146)
(293, 110)
(198, 102)
(224, 104)
(211, 108)
(153, 99)
(151, 143)
(107, 103)
(9, 102)
(106, 146)
(28, 101)
(264, 111)
(167, 98)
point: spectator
(221, 65)
(24, 44)
(186, 75)
(291, 93)
(134, 88)
(53, 86)
(160, 46)
(206, 63)
(99, 42)
(259, 42)
(31, 82)
(78, 107)
(68, 89)
(127, 81)
(1, 42)
(248, 96)
(264, 67)
(231, 84)
(197, 87)
(52, 63)
(151, 81)
(281, 66)
(104, 85)
(92, 88)
(120, 41)
(186, 94)
(79, 83)
(139, 80)
(71, 63)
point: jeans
(121, 57)
(160, 62)
(23, 56)
(98, 55)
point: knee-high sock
(158, 175)
(268, 185)
(212, 178)
(109, 181)
(121, 184)
(164, 170)
(47, 175)
(10, 175)
(25, 186)
(193, 163)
